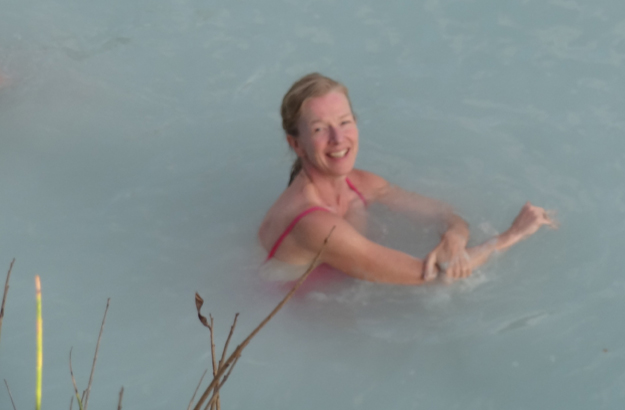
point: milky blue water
(141, 146)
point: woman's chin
(341, 167)
(340, 170)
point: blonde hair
(310, 86)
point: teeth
(338, 154)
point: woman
(326, 191)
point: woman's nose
(336, 135)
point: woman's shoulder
(290, 204)
(368, 183)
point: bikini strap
(289, 228)
(353, 188)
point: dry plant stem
(9, 390)
(71, 403)
(121, 396)
(239, 349)
(199, 302)
(216, 406)
(213, 356)
(215, 398)
(223, 354)
(95, 356)
(4, 296)
(217, 402)
(196, 389)
(71, 372)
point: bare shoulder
(346, 242)
(295, 199)
(371, 185)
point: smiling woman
(325, 191)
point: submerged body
(328, 192)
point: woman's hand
(527, 222)
(449, 256)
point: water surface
(141, 147)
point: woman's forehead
(333, 104)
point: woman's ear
(294, 144)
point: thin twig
(215, 398)
(211, 326)
(212, 403)
(71, 372)
(217, 402)
(213, 357)
(95, 356)
(223, 355)
(121, 396)
(71, 403)
(9, 390)
(239, 349)
(4, 296)
(196, 389)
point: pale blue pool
(141, 146)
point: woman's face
(328, 136)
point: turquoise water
(141, 146)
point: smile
(338, 154)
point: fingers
(542, 216)
(466, 265)
(546, 217)
(551, 217)
(429, 273)
(460, 267)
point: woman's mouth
(338, 154)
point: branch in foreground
(95, 356)
(215, 397)
(4, 296)
(237, 352)
(217, 402)
(9, 390)
(213, 356)
(71, 372)
(121, 396)
(196, 389)
(198, 305)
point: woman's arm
(451, 249)
(352, 253)
(355, 255)
(527, 222)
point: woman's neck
(331, 189)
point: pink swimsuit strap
(294, 222)
(291, 226)
(353, 188)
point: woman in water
(325, 191)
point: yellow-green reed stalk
(39, 344)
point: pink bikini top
(294, 222)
